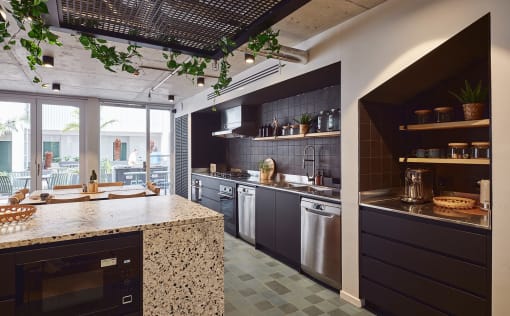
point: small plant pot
(303, 128)
(473, 111)
(264, 175)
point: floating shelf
(301, 136)
(481, 161)
(446, 125)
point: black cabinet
(415, 266)
(278, 224)
(265, 218)
(288, 226)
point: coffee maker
(418, 186)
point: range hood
(239, 121)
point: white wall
(375, 46)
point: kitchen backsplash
(288, 154)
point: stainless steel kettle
(418, 186)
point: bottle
(322, 121)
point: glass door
(59, 144)
(15, 147)
(123, 145)
(159, 148)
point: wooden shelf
(300, 136)
(446, 125)
(481, 161)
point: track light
(200, 81)
(249, 58)
(55, 87)
(171, 98)
(47, 61)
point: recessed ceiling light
(45, 85)
(55, 87)
(3, 15)
(200, 81)
(171, 98)
(47, 61)
(249, 58)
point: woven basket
(473, 111)
(15, 213)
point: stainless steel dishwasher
(246, 213)
(320, 241)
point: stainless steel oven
(99, 277)
(228, 208)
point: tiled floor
(256, 284)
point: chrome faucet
(312, 178)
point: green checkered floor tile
(256, 284)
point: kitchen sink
(289, 185)
(313, 188)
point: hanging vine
(28, 15)
(108, 55)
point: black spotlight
(55, 87)
(249, 58)
(200, 81)
(171, 98)
(47, 61)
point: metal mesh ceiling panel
(193, 26)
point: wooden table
(34, 197)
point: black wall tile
(288, 154)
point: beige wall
(375, 46)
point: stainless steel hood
(239, 121)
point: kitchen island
(182, 242)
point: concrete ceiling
(79, 75)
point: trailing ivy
(266, 41)
(28, 16)
(108, 55)
(30, 13)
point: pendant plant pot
(303, 128)
(473, 111)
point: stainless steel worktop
(327, 195)
(389, 200)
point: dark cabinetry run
(277, 224)
(412, 266)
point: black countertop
(326, 195)
(391, 202)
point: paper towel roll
(485, 193)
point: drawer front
(213, 205)
(440, 296)
(7, 281)
(457, 273)
(450, 241)
(211, 194)
(389, 302)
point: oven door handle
(225, 196)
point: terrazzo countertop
(69, 221)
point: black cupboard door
(288, 226)
(265, 218)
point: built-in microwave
(97, 277)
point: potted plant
(265, 170)
(472, 100)
(304, 123)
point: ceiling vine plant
(28, 15)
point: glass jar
(334, 120)
(322, 121)
(480, 150)
(444, 114)
(294, 129)
(423, 116)
(458, 150)
(285, 130)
